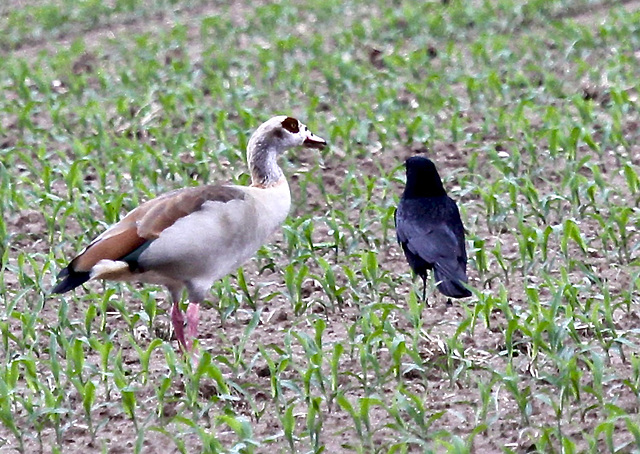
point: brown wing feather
(182, 203)
(148, 221)
(113, 247)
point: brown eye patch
(291, 125)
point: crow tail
(452, 287)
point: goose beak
(313, 141)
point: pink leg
(177, 318)
(192, 323)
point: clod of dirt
(208, 390)
(169, 410)
(84, 64)
(412, 374)
(263, 371)
(281, 316)
(375, 58)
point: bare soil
(441, 319)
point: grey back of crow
(430, 231)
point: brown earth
(276, 318)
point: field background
(319, 344)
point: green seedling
(529, 110)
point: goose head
(282, 133)
(272, 138)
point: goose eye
(291, 125)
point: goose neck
(263, 165)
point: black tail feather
(451, 287)
(70, 280)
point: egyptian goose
(190, 237)
(430, 231)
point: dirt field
(467, 356)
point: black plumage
(70, 279)
(430, 231)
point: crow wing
(430, 229)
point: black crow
(430, 230)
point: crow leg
(424, 288)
